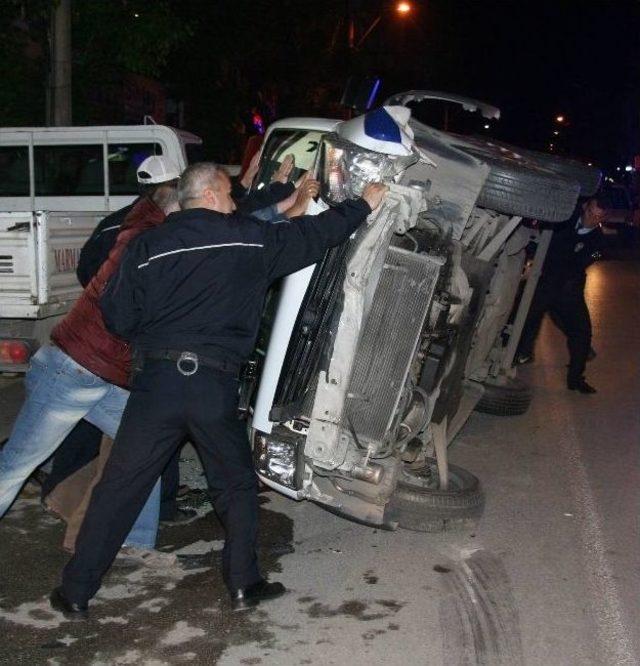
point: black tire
(510, 399)
(589, 178)
(518, 186)
(418, 504)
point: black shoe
(70, 610)
(523, 359)
(254, 594)
(580, 385)
(180, 516)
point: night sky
(533, 59)
(225, 59)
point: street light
(402, 8)
(560, 119)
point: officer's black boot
(580, 385)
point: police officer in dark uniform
(189, 297)
(574, 246)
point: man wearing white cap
(84, 371)
(152, 171)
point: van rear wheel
(419, 504)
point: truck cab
(56, 184)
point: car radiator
(388, 342)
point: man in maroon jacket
(84, 372)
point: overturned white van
(370, 362)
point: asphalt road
(550, 576)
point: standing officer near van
(189, 297)
(574, 246)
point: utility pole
(59, 112)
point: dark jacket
(570, 253)
(198, 283)
(238, 190)
(96, 250)
(82, 333)
(249, 202)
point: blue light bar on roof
(380, 125)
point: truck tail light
(15, 352)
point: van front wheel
(419, 504)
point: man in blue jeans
(60, 392)
(85, 372)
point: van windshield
(302, 144)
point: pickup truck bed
(39, 253)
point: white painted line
(612, 630)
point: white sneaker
(148, 557)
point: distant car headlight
(279, 457)
(345, 169)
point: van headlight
(279, 457)
(345, 169)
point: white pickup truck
(56, 184)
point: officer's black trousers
(169, 485)
(82, 445)
(564, 301)
(164, 407)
